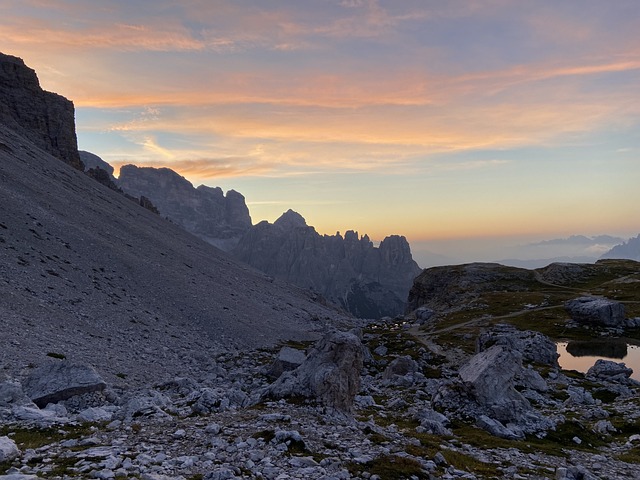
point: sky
(470, 127)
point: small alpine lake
(581, 355)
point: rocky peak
(349, 271)
(44, 118)
(290, 220)
(395, 250)
(204, 211)
(91, 160)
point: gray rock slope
(45, 118)
(90, 275)
(204, 211)
(368, 281)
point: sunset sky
(483, 122)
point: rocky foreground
(372, 405)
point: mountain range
(81, 264)
(366, 280)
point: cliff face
(204, 211)
(369, 282)
(44, 118)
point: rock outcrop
(368, 281)
(533, 346)
(607, 370)
(596, 310)
(55, 382)
(330, 374)
(204, 211)
(455, 287)
(44, 118)
(91, 160)
(8, 449)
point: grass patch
(391, 467)
(605, 395)
(462, 461)
(38, 437)
(631, 456)
(266, 435)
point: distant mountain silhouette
(368, 281)
(629, 249)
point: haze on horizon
(461, 125)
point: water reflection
(598, 348)
(581, 356)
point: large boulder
(489, 377)
(288, 359)
(58, 381)
(596, 310)
(11, 394)
(609, 371)
(330, 374)
(8, 449)
(533, 346)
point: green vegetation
(391, 467)
(530, 304)
(59, 356)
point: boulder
(533, 346)
(19, 476)
(424, 314)
(146, 404)
(596, 310)
(288, 359)
(496, 428)
(489, 378)
(94, 415)
(330, 374)
(11, 393)
(609, 371)
(8, 450)
(55, 382)
(401, 366)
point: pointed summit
(290, 219)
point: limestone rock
(91, 160)
(596, 310)
(288, 359)
(533, 346)
(368, 281)
(19, 476)
(8, 449)
(330, 374)
(11, 393)
(57, 381)
(489, 376)
(610, 371)
(44, 118)
(204, 211)
(401, 371)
